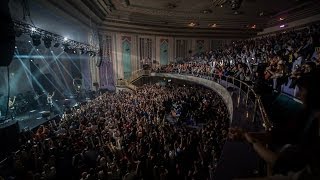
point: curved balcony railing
(227, 82)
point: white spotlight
(37, 49)
(16, 47)
(29, 41)
(65, 39)
(33, 29)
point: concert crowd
(270, 61)
(126, 135)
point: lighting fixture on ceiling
(56, 45)
(38, 34)
(207, 11)
(36, 39)
(47, 41)
(82, 51)
(236, 12)
(283, 26)
(281, 19)
(193, 24)
(261, 13)
(213, 25)
(253, 26)
(235, 4)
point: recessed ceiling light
(221, 5)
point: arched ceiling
(185, 17)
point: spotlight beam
(47, 79)
(31, 75)
(51, 70)
(84, 77)
(65, 69)
(61, 74)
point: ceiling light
(193, 24)
(221, 6)
(16, 47)
(283, 25)
(281, 19)
(65, 39)
(235, 4)
(261, 13)
(33, 29)
(236, 12)
(213, 25)
(253, 26)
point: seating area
(269, 63)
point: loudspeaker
(7, 39)
(9, 138)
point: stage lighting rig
(56, 45)
(235, 4)
(47, 41)
(36, 39)
(37, 34)
(81, 51)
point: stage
(40, 114)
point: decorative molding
(126, 38)
(164, 41)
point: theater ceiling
(202, 17)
